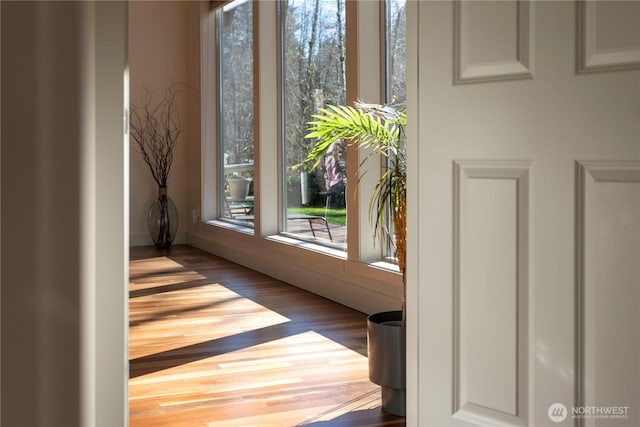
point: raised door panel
(492, 40)
(609, 294)
(608, 35)
(491, 299)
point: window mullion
(266, 119)
(363, 53)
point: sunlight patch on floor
(304, 371)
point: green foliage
(236, 83)
(333, 216)
(379, 129)
(312, 67)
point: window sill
(228, 225)
(384, 265)
(376, 270)
(304, 244)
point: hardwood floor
(215, 344)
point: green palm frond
(371, 126)
(379, 129)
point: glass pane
(396, 51)
(395, 54)
(235, 56)
(312, 52)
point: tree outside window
(312, 52)
(235, 109)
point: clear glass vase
(162, 220)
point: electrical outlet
(195, 216)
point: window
(298, 75)
(395, 76)
(235, 109)
(312, 53)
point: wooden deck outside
(215, 344)
(301, 228)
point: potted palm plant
(380, 129)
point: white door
(524, 283)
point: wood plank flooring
(215, 344)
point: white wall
(62, 107)
(111, 221)
(158, 57)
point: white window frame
(358, 278)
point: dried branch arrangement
(156, 128)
